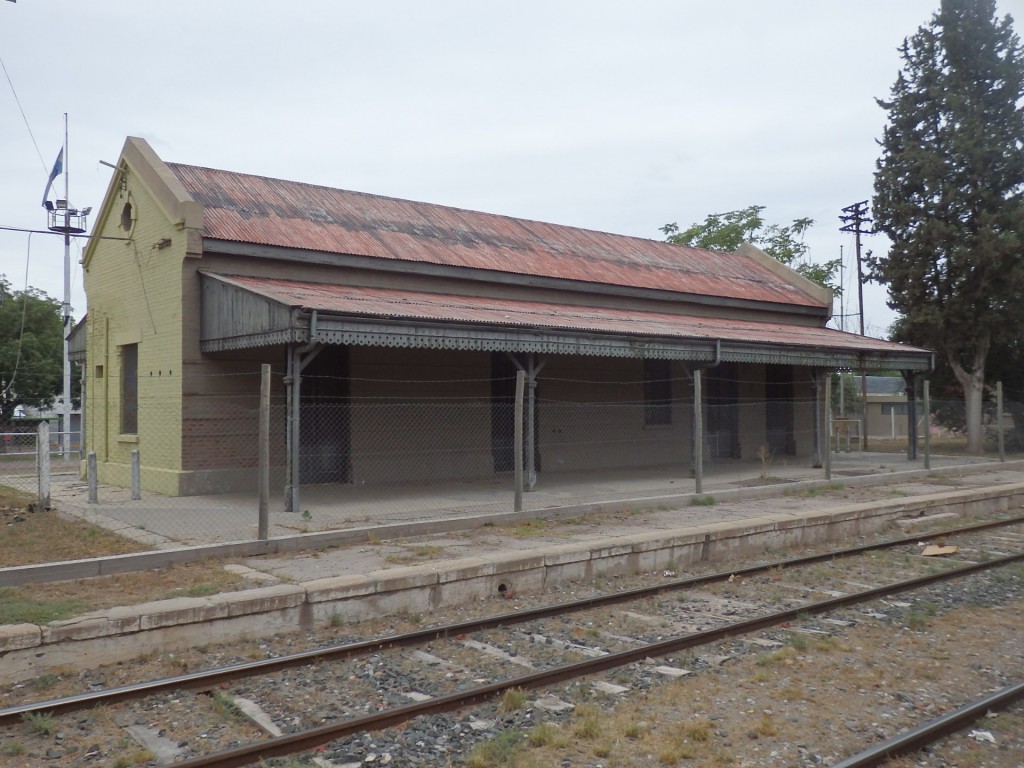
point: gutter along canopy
(248, 312)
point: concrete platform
(168, 522)
(427, 573)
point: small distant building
(887, 407)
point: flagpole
(66, 308)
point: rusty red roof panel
(417, 305)
(255, 209)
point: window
(657, 392)
(899, 409)
(130, 389)
(127, 217)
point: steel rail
(211, 678)
(306, 740)
(930, 732)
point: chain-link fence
(926, 425)
(27, 450)
(189, 468)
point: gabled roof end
(818, 292)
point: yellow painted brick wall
(134, 296)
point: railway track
(386, 682)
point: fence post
(43, 464)
(517, 451)
(90, 472)
(698, 434)
(264, 453)
(927, 426)
(999, 420)
(136, 475)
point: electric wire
(17, 101)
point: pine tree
(949, 192)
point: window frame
(129, 389)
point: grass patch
(587, 722)
(797, 642)
(921, 616)
(635, 729)
(12, 748)
(226, 707)
(512, 700)
(18, 608)
(821, 490)
(500, 751)
(546, 735)
(531, 528)
(780, 656)
(42, 603)
(44, 536)
(700, 731)
(702, 501)
(139, 756)
(766, 726)
(411, 554)
(41, 723)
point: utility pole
(65, 219)
(855, 219)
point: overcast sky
(616, 116)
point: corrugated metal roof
(416, 305)
(255, 209)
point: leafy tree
(728, 231)
(31, 350)
(948, 192)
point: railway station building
(394, 331)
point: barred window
(130, 389)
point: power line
(23, 116)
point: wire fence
(381, 453)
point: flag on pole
(58, 166)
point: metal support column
(827, 434)
(818, 417)
(263, 521)
(298, 359)
(999, 421)
(530, 371)
(927, 426)
(517, 446)
(911, 378)
(698, 433)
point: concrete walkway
(167, 522)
